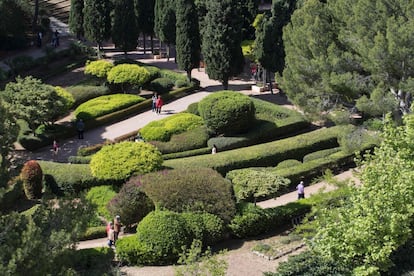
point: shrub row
(320, 154)
(91, 261)
(263, 155)
(95, 232)
(79, 159)
(187, 153)
(84, 93)
(64, 179)
(253, 220)
(103, 105)
(162, 85)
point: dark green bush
(227, 112)
(95, 232)
(44, 135)
(84, 93)
(12, 194)
(162, 85)
(154, 72)
(181, 83)
(288, 163)
(163, 233)
(32, 177)
(193, 109)
(105, 105)
(123, 160)
(319, 154)
(90, 150)
(130, 203)
(173, 76)
(100, 197)
(79, 159)
(189, 140)
(191, 189)
(69, 178)
(162, 130)
(268, 154)
(91, 261)
(187, 153)
(207, 228)
(374, 124)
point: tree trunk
(226, 84)
(168, 52)
(189, 74)
(152, 44)
(99, 50)
(145, 46)
(35, 16)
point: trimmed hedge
(227, 112)
(193, 109)
(207, 228)
(95, 232)
(162, 85)
(190, 140)
(162, 130)
(123, 160)
(100, 197)
(69, 179)
(105, 105)
(79, 159)
(173, 76)
(263, 155)
(288, 163)
(186, 153)
(320, 154)
(98, 68)
(84, 93)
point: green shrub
(79, 159)
(193, 109)
(263, 155)
(356, 139)
(32, 177)
(69, 179)
(187, 153)
(91, 261)
(127, 75)
(227, 112)
(90, 150)
(154, 72)
(98, 68)
(122, 160)
(181, 83)
(207, 228)
(247, 49)
(189, 140)
(12, 194)
(99, 197)
(164, 233)
(374, 124)
(162, 130)
(173, 76)
(161, 85)
(317, 155)
(252, 184)
(95, 232)
(288, 163)
(68, 98)
(130, 251)
(84, 93)
(191, 189)
(130, 203)
(340, 116)
(105, 104)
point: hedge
(95, 232)
(90, 261)
(162, 85)
(187, 153)
(84, 93)
(320, 154)
(268, 154)
(63, 178)
(103, 105)
(79, 159)
(173, 76)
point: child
(55, 147)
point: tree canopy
(124, 28)
(76, 17)
(97, 20)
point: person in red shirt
(158, 104)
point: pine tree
(188, 36)
(124, 30)
(165, 21)
(144, 10)
(221, 41)
(97, 20)
(76, 17)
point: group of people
(55, 39)
(113, 229)
(157, 103)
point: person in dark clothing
(80, 127)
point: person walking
(55, 147)
(117, 227)
(158, 104)
(214, 149)
(301, 190)
(80, 127)
(154, 101)
(111, 235)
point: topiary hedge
(127, 75)
(98, 68)
(186, 153)
(191, 139)
(162, 130)
(32, 177)
(123, 160)
(69, 179)
(207, 228)
(289, 163)
(319, 154)
(100, 197)
(162, 85)
(193, 109)
(83, 93)
(173, 76)
(227, 112)
(105, 105)
(191, 189)
(263, 155)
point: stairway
(58, 9)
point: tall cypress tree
(124, 29)
(164, 25)
(221, 41)
(144, 10)
(188, 36)
(76, 17)
(97, 20)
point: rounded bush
(193, 109)
(98, 68)
(100, 196)
(181, 83)
(162, 85)
(190, 189)
(164, 233)
(129, 74)
(288, 163)
(131, 203)
(251, 222)
(122, 160)
(320, 154)
(83, 93)
(227, 112)
(67, 97)
(32, 176)
(154, 72)
(162, 130)
(207, 228)
(105, 104)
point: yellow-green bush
(100, 197)
(105, 105)
(122, 160)
(163, 129)
(128, 74)
(98, 68)
(68, 97)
